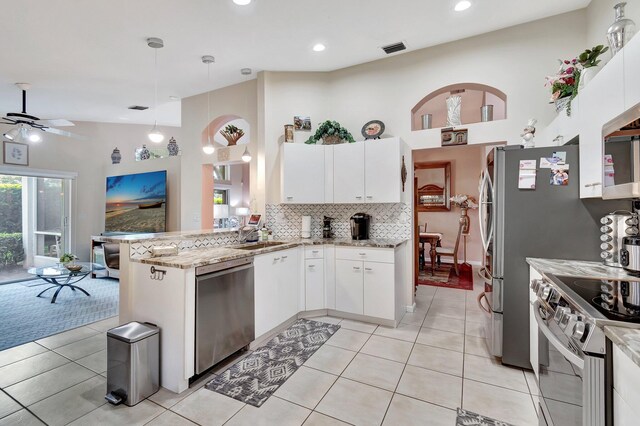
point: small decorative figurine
(173, 147)
(528, 134)
(116, 156)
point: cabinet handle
(589, 185)
(284, 257)
(312, 266)
(368, 269)
(289, 198)
(357, 268)
(369, 196)
(359, 197)
(315, 251)
(362, 254)
(275, 259)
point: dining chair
(448, 252)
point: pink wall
(466, 163)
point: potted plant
(589, 61)
(69, 262)
(232, 133)
(331, 133)
(564, 84)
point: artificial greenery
(589, 58)
(330, 128)
(68, 257)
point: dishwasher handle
(223, 272)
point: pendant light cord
(155, 94)
(208, 102)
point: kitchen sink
(261, 245)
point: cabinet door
(314, 280)
(302, 173)
(349, 297)
(379, 296)
(382, 181)
(265, 294)
(632, 73)
(288, 277)
(330, 276)
(348, 173)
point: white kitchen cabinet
(632, 73)
(288, 277)
(314, 280)
(379, 290)
(329, 253)
(303, 174)
(348, 173)
(349, 286)
(382, 164)
(626, 376)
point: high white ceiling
(88, 60)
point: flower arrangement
(68, 257)
(464, 201)
(232, 134)
(330, 132)
(564, 84)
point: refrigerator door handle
(481, 305)
(485, 187)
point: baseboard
(411, 308)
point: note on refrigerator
(527, 174)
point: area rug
(445, 276)
(256, 377)
(25, 317)
(468, 418)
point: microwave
(621, 147)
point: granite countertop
(627, 339)
(580, 268)
(206, 256)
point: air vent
(138, 107)
(395, 47)
(455, 92)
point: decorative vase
(116, 156)
(454, 104)
(464, 220)
(486, 113)
(426, 121)
(145, 154)
(173, 147)
(586, 76)
(621, 31)
(562, 103)
(331, 140)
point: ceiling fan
(28, 127)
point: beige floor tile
(348, 339)
(532, 383)
(431, 386)
(330, 359)
(355, 403)
(476, 346)
(317, 419)
(499, 403)
(438, 359)
(169, 418)
(168, 399)
(29, 367)
(475, 329)
(275, 411)
(21, 418)
(95, 362)
(49, 383)
(363, 327)
(409, 411)
(206, 407)
(476, 315)
(427, 290)
(18, 353)
(441, 339)
(327, 319)
(446, 311)
(455, 303)
(7, 405)
(374, 371)
(450, 294)
(83, 348)
(489, 370)
(384, 347)
(413, 318)
(441, 322)
(67, 337)
(407, 332)
(104, 325)
(116, 415)
(306, 387)
(72, 403)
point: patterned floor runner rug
(256, 377)
(469, 418)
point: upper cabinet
(360, 172)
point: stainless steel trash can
(133, 362)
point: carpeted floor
(25, 317)
(445, 276)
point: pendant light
(246, 155)
(208, 148)
(12, 134)
(155, 135)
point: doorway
(34, 223)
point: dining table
(434, 239)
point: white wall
(90, 158)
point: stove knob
(545, 292)
(561, 311)
(535, 285)
(607, 297)
(606, 229)
(579, 330)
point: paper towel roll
(306, 226)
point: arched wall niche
(217, 124)
(474, 96)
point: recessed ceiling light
(319, 47)
(462, 5)
(245, 71)
(242, 2)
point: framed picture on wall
(15, 153)
(302, 123)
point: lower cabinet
(379, 290)
(349, 286)
(314, 279)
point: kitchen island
(362, 280)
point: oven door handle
(557, 344)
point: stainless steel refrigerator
(550, 221)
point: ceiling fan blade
(56, 122)
(63, 133)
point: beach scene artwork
(136, 203)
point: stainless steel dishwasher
(224, 310)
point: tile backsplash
(143, 249)
(387, 220)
